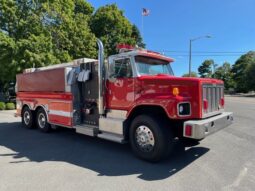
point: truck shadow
(104, 157)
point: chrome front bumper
(202, 128)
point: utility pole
(190, 49)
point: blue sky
(171, 24)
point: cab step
(89, 130)
(112, 137)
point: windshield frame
(171, 73)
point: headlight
(184, 109)
(181, 109)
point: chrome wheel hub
(26, 117)
(144, 138)
(41, 120)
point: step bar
(94, 131)
(89, 130)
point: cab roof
(147, 53)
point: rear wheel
(41, 121)
(27, 118)
(149, 138)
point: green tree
(39, 33)
(205, 70)
(224, 73)
(68, 26)
(83, 7)
(112, 27)
(193, 74)
(250, 76)
(242, 72)
(137, 36)
(7, 64)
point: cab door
(120, 84)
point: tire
(150, 139)
(27, 118)
(41, 121)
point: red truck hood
(159, 89)
(163, 85)
(179, 80)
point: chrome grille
(213, 94)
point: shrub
(10, 106)
(2, 106)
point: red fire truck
(129, 97)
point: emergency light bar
(124, 47)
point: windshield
(152, 66)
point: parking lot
(64, 160)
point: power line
(213, 52)
(205, 55)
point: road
(64, 160)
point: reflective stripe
(60, 113)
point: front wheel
(149, 138)
(41, 121)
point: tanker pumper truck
(130, 97)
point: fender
(44, 108)
(161, 106)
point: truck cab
(142, 83)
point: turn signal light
(205, 104)
(176, 91)
(188, 130)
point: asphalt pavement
(64, 160)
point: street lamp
(190, 49)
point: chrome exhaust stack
(101, 77)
